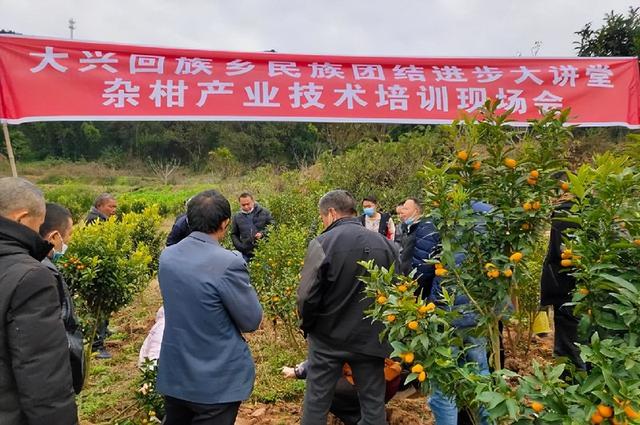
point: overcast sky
(362, 27)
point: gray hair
(102, 198)
(340, 200)
(17, 194)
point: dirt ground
(399, 412)
(108, 397)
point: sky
(424, 28)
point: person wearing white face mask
(56, 229)
(375, 221)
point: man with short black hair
(57, 229)
(332, 305)
(35, 374)
(249, 225)
(205, 368)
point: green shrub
(149, 400)
(77, 197)
(170, 202)
(105, 268)
(275, 273)
(145, 230)
(388, 170)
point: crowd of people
(205, 367)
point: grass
(109, 394)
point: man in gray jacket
(205, 368)
(35, 372)
(332, 305)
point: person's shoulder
(33, 274)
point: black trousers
(101, 335)
(323, 372)
(566, 335)
(181, 412)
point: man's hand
(289, 372)
(259, 235)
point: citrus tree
(603, 253)
(107, 264)
(483, 255)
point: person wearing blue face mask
(56, 229)
(375, 221)
(420, 242)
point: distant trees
(190, 143)
(618, 36)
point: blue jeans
(444, 408)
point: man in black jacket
(35, 374)
(249, 225)
(557, 285)
(57, 229)
(332, 307)
(420, 242)
(103, 207)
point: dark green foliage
(388, 170)
(618, 36)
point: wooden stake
(7, 140)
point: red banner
(62, 80)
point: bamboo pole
(7, 140)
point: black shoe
(102, 353)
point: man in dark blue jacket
(205, 368)
(249, 225)
(420, 242)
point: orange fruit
(493, 273)
(536, 205)
(567, 253)
(636, 242)
(417, 368)
(534, 174)
(596, 418)
(439, 266)
(381, 299)
(462, 155)
(429, 308)
(527, 206)
(537, 406)
(510, 162)
(564, 186)
(441, 272)
(489, 266)
(408, 357)
(391, 318)
(402, 288)
(275, 299)
(532, 181)
(413, 325)
(525, 226)
(507, 273)
(516, 257)
(631, 414)
(605, 411)
(422, 376)
(476, 165)
(566, 263)
(583, 291)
